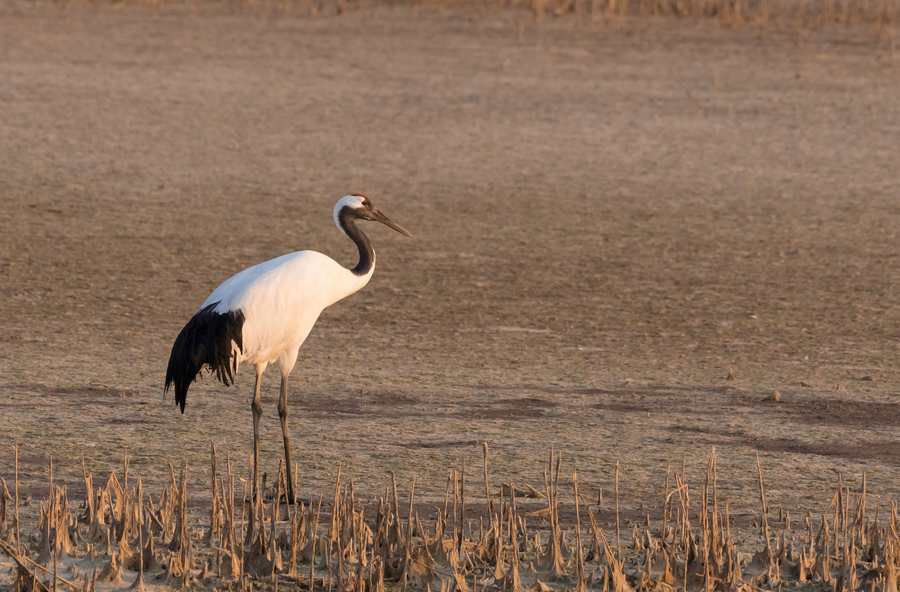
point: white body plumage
(281, 300)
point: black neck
(366, 252)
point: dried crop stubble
(607, 224)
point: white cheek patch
(350, 201)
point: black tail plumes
(205, 341)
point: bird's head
(358, 206)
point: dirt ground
(607, 221)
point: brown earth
(607, 221)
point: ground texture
(608, 221)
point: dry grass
(446, 380)
(511, 539)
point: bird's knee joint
(256, 407)
(282, 412)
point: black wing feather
(205, 341)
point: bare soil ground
(606, 222)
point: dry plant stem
(396, 505)
(618, 543)
(55, 564)
(727, 523)
(275, 505)
(762, 499)
(555, 484)
(581, 586)
(409, 520)
(548, 490)
(462, 507)
(552, 560)
(53, 513)
(72, 585)
(838, 513)
(447, 496)
(487, 489)
(328, 550)
(214, 506)
(312, 562)
(845, 518)
(88, 482)
(296, 476)
(290, 515)
(335, 514)
(407, 557)
(125, 478)
(715, 491)
(499, 532)
(711, 556)
(862, 513)
(704, 503)
(340, 553)
(455, 502)
(4, 497)
(666, 503)
(18, 540)
(353, 505)
(666, 507)
(139, 582)
(185, 537)
(243, 514)
(841, 508)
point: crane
(263, 314)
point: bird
(263, 314)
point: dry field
(608, 220)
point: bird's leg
(283, 415)
(257, 415)
(254, 488)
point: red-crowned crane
(263, 314)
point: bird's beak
(379, 217)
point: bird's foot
(289, 498)
(269, 497)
